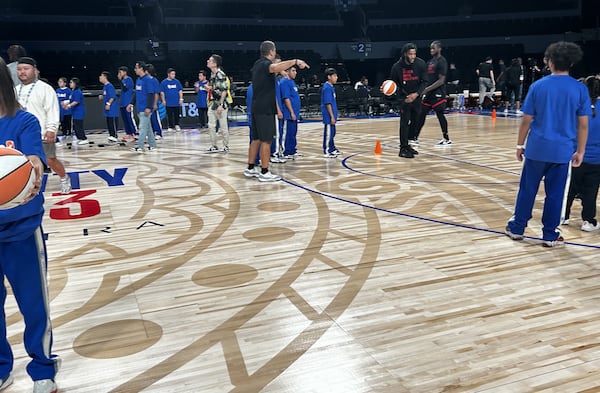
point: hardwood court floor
(172, 272)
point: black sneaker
(406, 153)
(412, 150)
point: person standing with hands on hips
(555, 123)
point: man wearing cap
(39, 98)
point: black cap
(27, 60)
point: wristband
(521, 147)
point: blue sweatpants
(24, 264)
(289, 137)
(555, 181)
(328, 138)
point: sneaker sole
(513, 236)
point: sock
(264, 170)
(250, 166)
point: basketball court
(172, 272)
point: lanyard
(28, 94)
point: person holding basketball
(23, 259)
(410, 75)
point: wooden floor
(172, 272)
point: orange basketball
(16, 177)
(388, 87)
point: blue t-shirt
(592, 147)
(143, 88)
(555, 102)
(171, 88)
(201, 98)
(126, 91)
(328, 97)
(63, 94)
(154, 89)
(289, 90)
(79, 109)
(21, 221)
(109, 92)
(278, 93)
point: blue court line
(431, 220)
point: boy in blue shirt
(555, 122)
(291, 112)
(330, 113)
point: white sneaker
(444, 142)
(519, 112)
(565, 222)
(277, 160)
(158, 137)
(329, 155)
(137, 149)
(506, 110)
(170, 129)
(65, 185)
(254, 172)
(44, 386)
(413, 142)
(112, 139)
(225, 149)
(268, 177)
(212, 149)
(84, 142)
(588, 227)
(177, 128)
(4, 383)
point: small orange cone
(494, 113)
(377, 147)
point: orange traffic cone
(377, 147)
(494, 113)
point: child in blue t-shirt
(585, 179)
(555, 122)
(330, 114)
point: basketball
(388, 87)
(16, 177)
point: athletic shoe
(268, 177)
(225, 149)
(514, 236)
(330, 155)
(127, 138)
(170, 129)
(413, 142)
(444, 142)
(564, 222)
(65, 185)
(137, 149)
(254, 172)
(412, 150)
(212, 149)
(112, 139)
(336, 152)
(405, 152)
(6, 381)
(559, 241)
(177, 128)
(152, 148)
(588, 227)
(519, 113)
(44, 386)
(84, 142)
(277, 160)
(158, 137)
(506, 111)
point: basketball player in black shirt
(434, 95)
(409, 73)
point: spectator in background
(15, 52)
(171, 95)
(127, 90)
(514, 86)
(200, 87)
(485, 72)
(110, 112)
(63, 92)
(77, 106)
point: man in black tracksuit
(410, 75)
